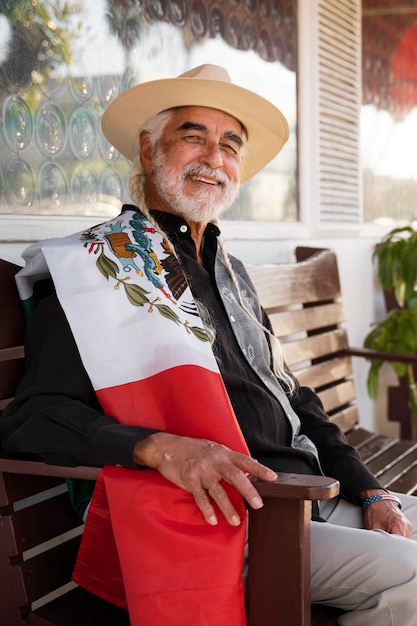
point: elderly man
(153, 358)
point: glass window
(62, 63)
(389, 113)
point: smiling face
(194, 168)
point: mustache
(206, 172)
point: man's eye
(230, 149)
(193, 138)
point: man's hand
(386, 515)
(199, 466)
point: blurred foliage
(47, 30)
(397, 264)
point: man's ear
(146, 152)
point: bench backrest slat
(15, 487)
(37, 524)
(46, 572)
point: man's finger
(203, 502)
(254, 468)
(219, 495)
(239, 479)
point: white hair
(155, 127)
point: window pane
(62, 63)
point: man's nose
(212, 155)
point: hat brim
(266, 126)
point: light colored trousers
(370, 574)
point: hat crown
(208, 72)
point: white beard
(204, 205)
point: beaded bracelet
(379, 498)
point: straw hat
(204, 86)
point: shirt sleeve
(338, 459)
(55, 415)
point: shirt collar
(178, 232)
(176, 226)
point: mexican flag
(146, 545)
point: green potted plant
(396, 256)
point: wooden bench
(391, 459)
(40, 532)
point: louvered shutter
(339, 102)
(329, 113)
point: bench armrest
(380, 355)
(293, 486)
(13, 465)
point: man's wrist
(147, 451)
(368, 493)
(373, 496)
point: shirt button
(183, 228)
(232, 318)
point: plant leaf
(373, 379)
